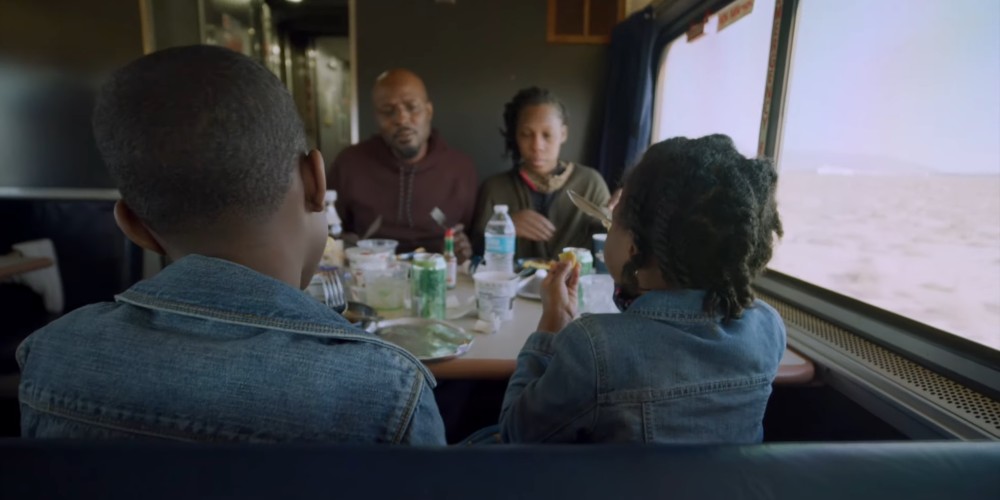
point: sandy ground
(926, 247)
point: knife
(376, 224)
(589, 208)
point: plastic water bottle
(500, 241)
(332, 219)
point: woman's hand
(559, 297)
(532, 225)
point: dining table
(494, 355)
(14, 264)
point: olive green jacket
(573, 227)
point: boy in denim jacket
(210, 157)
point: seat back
(912, 470)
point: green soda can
(429, 285)
(586, 260)
(584, 257)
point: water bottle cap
(501, 209)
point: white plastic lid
(500, 209)
(331, 196)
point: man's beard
(407, 152)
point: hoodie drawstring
(406, 194)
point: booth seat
(812, 471)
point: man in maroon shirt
(404, 172)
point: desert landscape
(923, 245)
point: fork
(439, 217)
(333, 291)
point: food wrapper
(333, 253)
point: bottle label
(451, 273)
(499, 244)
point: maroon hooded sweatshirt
(370, 181)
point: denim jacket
(209, 350)
(661, 372)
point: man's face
(404, 118)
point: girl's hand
(615, 198)
(559, 297)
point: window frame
(975, 364)
(950, 354)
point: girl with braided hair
(535, 128)
(692, 356)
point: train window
(890, 158)
(715, 83)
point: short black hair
(198, 135)
(532, 96)
(707, 214)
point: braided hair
(532, 96)
(706, 215)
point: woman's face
(540, 135)
(619, 247)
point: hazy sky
(912, 80)
(715, 84)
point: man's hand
(559, 296)
(533, 226)
(463, 247)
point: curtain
(628, 108)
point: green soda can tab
(584, 257)
(429, 285)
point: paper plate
(426, 339)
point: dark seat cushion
(911, 471)
(24, 312)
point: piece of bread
(546, 266)
(333, 253)
(568, 257)
(538, 264)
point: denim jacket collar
(220, 290)
(677, 305)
